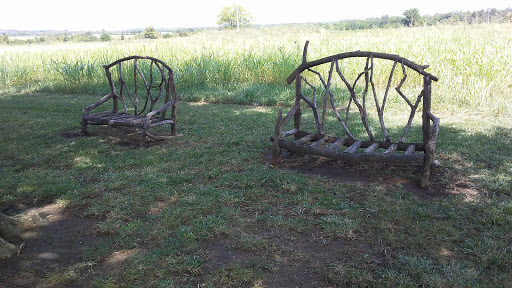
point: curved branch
(362, 112)
(400, 86)
(416, 67)
(343, 123)
(380, 112)
(136, 58)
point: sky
(115, 15)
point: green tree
(105, 37)
(5, 39)
(412, 17)
(151, 33)
(235, 16)
(87, 37)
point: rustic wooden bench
(363, 94)
(146, 90)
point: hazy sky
(119, 15)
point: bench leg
(276, 152)
(425, 177)
(173, 129)
(143, 138)
(84, 126)
(427, 164)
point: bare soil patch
(51, 249)
(296, 259)
(405, 177)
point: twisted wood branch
(416, 67)
(343, 123)
(380, 110)
(351, 89)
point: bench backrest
(329, 77)
(141, 83)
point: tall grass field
(473, 62)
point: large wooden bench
(330, 80)
(144, 88)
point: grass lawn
(207, 210)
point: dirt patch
(73, 134)
(282, 268)
(296, 259)
(52, 249)
(304, 259)
(221, 253)
(405, 177)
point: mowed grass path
(206, 209)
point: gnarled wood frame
(348, 147)
(146, 90)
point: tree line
(236, 16)
(149, 33)
(412, 18)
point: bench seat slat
(410, 149)
(372, 148)
(127, 122)
(305, 139)
(124, 119)
(352, 157)
(288, 133)
(320, 142)
(118, 116)
(391, 149)
(162, 122)
(352, 149)
(104, 113)
(337, 144)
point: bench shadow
(450, 178)
(120, 136)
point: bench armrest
(98, 103)
(435, 125)
(160, 110)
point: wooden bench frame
(319, 143)
(160, 87)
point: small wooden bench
(144, 86)
(362, 90)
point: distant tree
(508, 17)
(184, 32)
(105, 37)
(150, 33)
(412, 17)
(87, 37)
(235, 16)
(5, 39)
